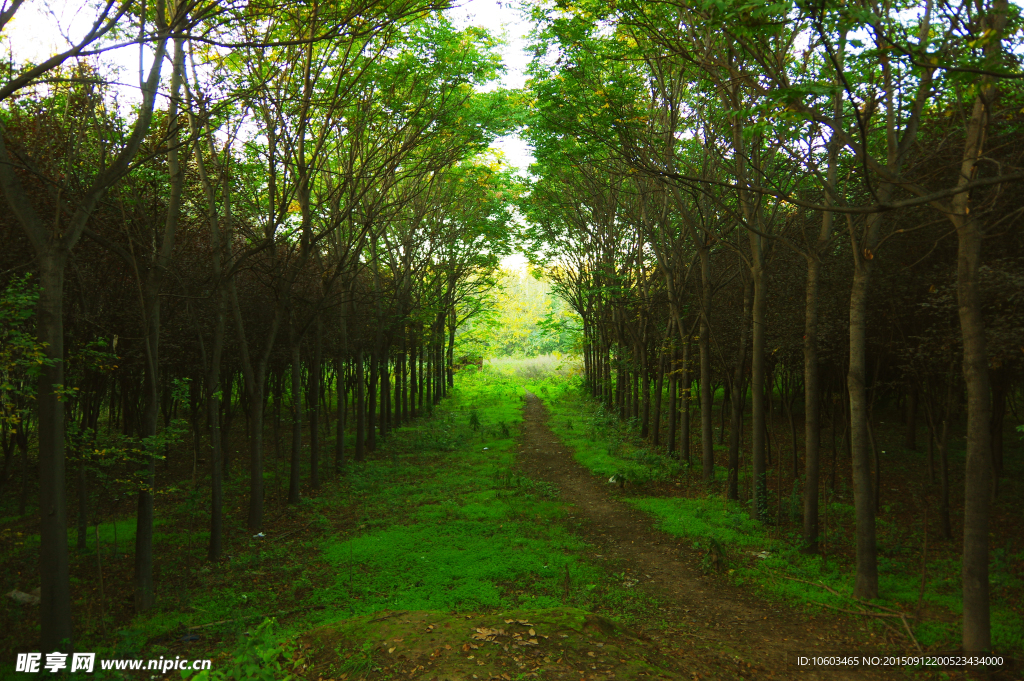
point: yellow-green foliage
(524, 320)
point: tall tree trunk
(426, 364)
(684, 412)
(213, 367)
(812, 403)
(758, 385)
(450, 374)
(707, 428)
(160, 261)
(83, 504)
(385, 392)
(360, 407)
(224, 419)
(945, 527)
(866, 585)
(737, 394)
(55, 584)
(658, 387)
(645, 397)
(673, 402)
(342, 399)
(294, 476)
(315, 376)
(978, 475)
(213, 410)
(371, 401)
(403, 378)
(341, 364)
(413, 378)
(910, 434)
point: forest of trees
(816, 200)
(294, 207)
(300, 203)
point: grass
(768, 557)
(437, 520)
(469, 544)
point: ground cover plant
(768, 558)
(438, 523)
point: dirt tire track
(729, 620)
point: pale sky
(504, 17)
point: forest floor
(477, 543)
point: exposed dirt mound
(560, 643)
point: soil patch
(557, 644)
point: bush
(261, 656)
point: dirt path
(724, 625)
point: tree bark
(658, 387)
(294, 346)
(978, 475)
(673, 402)
(707, 426)
(812, 403)
(313, 406)
(866, 585)
(737, 396)
(360, 407)
(684, 412)
(910, 434)
(55, 584)
(757, 384)
(645, 397)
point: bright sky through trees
(43, 28)
(503, 17)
